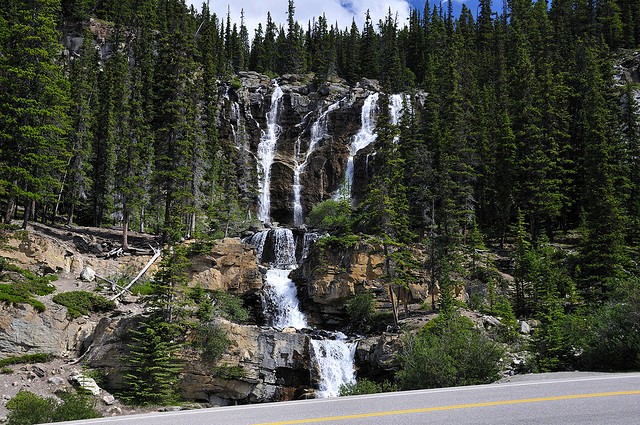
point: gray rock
(109, 400)
(525, 329)
(40, 372)
(56, 380)
(88, 274)
(85, 383)
(114, 411)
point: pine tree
(84, 80)
(34, 102)
(153, 366)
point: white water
(266, 154)
(318, 132)
(280, 293)
(361, 140)
(335, 364)
(282, 297)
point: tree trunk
(11, 207)
(27, 214)
(71, 211)
(167, 220)
(125, 229)
(142, 211)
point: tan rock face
(231, 267)
(328, 280)
(273, 365)
(23, 330)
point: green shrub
(6, 371)
(361, 310)
(80, 303)
(365, 386)
(23, 286)
(27, 358)
(211, 340)
(230, 306)
(27, 408)
(332, 216)
(447, 352)
(610, 339)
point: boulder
(88, 274)
(231, 266)
(84, 382)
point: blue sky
(340, 11)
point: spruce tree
(34, 103)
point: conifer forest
(517, 151)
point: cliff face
(315, 127)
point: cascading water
(280, 294)
(361, 140)
(267, 153)
(318, 132)
(335, 364)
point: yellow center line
(451, 407)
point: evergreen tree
(84, 80)
(34, 103)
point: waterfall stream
(318, 132)
(361, 140)
(334, 357)
(267, 153)
(335, 364)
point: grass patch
(27, 358)
(80, 303)
(20, 286)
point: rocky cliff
(323, 152)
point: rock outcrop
(231, 266)
(24, 330)
(330, 277)
(265, 364)
(242, 121)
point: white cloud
(340, 11)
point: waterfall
(361, 140)
(318, 132)
(335, 364)
(280, 299)
(266, 154)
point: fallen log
(156, 255)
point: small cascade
(280, 299)
(318, 132)
(335, 364)
(267, 153)
(309, 238)
(361, 140)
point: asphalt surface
(559, 398)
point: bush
(27, 358)
(332, 216)
(448, 352)
(27, 408)
(365, 386)
(230, 306)
(361, 310)
(23, 286)
(80, 303)
(611, 340)
(211, 340)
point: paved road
(560, 398)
